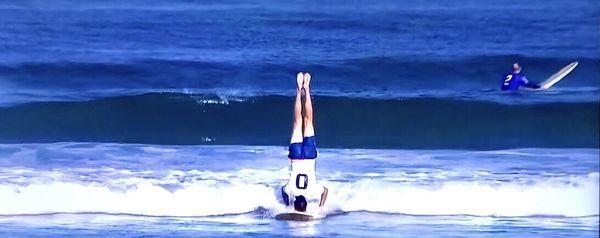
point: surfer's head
(300, 203)
(516, 68)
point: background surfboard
(546, 84)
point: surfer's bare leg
(309, 129)
(297, 126)
(323, 196)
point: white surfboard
(546, 84)
(299, 216)
(295, 216)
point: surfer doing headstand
(516, 80)
(302, 189)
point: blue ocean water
(67, 50)
(171, 118)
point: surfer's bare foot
(307, 78)
(299, 80)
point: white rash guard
(303, 181)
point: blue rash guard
(514, 81)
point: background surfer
(516, 80)
(302, 189)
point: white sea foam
(577, 197)
(216, 180)
(199, 199)
(203, 193)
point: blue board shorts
(307, 149)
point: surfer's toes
(307, 78)
(300, 80)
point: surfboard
(292, 215)
(295, 216)
(546, 84)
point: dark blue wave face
(424, 123)
(72, 50)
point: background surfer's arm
(323, 196)
(526, 83)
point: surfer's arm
(528, 84)
(284, 195)
(323, 196)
